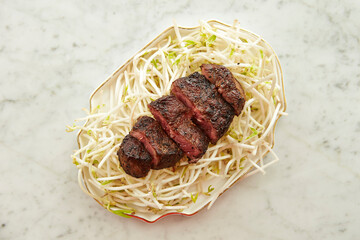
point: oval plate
(102, 93)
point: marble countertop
(54, 54)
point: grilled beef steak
(133, 157)
(211, 101)
(229, 88)
(175, 119)
(210, 111)
(164, 152)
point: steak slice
(133, 157)
(175, 119)
(210, 111)
(164, 151)
(229, 88)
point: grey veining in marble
(53, 54)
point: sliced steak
(175, 119)
(164, 151)
(229, 88)
(210, 111)
(133, 157)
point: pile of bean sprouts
(148, 76)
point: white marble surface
(54, 53)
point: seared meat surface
(175, 119)
(164, 151)
(229, 88)
(200, 111)
(133, 157)
(210, 111)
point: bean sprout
(148, 76)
